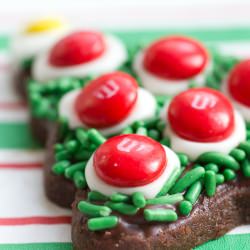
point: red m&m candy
(107, 100)
(239, 83)
(77, 48)
(175, 58)
(130, 160)
(202, 115)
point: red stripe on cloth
(13, 105)
(38, 220)
(32, 165)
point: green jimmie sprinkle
(96, 196)
(96, 224)
(220, 159)
(238, 154)
(122, 208)
(138, 199)
(188, 179)
(193, 192)
(118, 197)
(210, 183)
(220, 179)
(95, 137)
(69, 172)
(185, 207)
(93, 210)
(163, 215)
(246, 168)
(167, 199)
(79, 180)
(170, 182)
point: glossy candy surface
(107, 100)
(130, 160)
(175, 58)
(77, 48)
(239, 82)
(201, 115)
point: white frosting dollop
(145, 107)
(149, 191)
(195, 149)
(161, 86)
(28, 45)
(113, 57)
(243, 109)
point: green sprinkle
(220, 179)
(69, 172)
(117, 197)
(193, 192)
(161, 125)
(183, 159)
(83, 155)
(81, 135)
(93, 210)
(96, 224)
(58, 147)
(245, 146)
(127, 130)
(63, 155)
(213, 167)
(164, 215)
(220, 159)
(167, 199)
(122, 208)
(229, 174)
(248, 135)
(79, 180)
(154, 134)
(59, 167)
(210, 183)
(95, 137)
(188, 179)
(151, 122)
(71, 146)
(246, 168)
(238, 154)
(138, 199)
(170, 182)
(185, 207)
(165, 141)
(141, 131)
(138, 124)
(96, 196)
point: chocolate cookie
(209, 219)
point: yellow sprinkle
(44, 25)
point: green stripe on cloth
(228, 242)
(16, 136)
(206, 34)
(4, 42)
(133, 37)
(37, 246)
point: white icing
(194, 149)
(243, 109)
(150, 190)
(28, 45)
(145, 107)
(163, 86)
(114, 56)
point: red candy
(130, 160)
(239, 83)
(175, 58)
(107, 100)
(77, 48)
(201, 115)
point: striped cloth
(27, 219)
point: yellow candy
(44, 25)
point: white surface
(130, 14)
